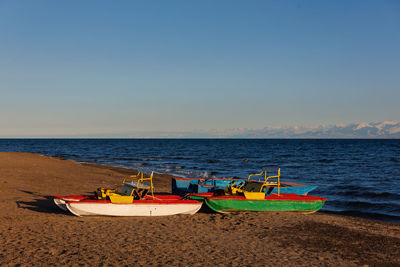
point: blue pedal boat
(182, 186)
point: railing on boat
(141, 181)
(137, 188)
(266, 178)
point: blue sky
(122, 68)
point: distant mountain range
(382, 129)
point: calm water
(359, 177)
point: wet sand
(35, 232)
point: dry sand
(35, 232)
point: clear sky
(120, 68)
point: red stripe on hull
(293, 197)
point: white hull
(62, 201)
(81, 208)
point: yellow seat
(121, 199)
(254, 195)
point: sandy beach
(35, 232)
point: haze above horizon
(104, 68)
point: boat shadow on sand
(41, 203)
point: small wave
(292, 165)
(185, 174)
(141, 164)
(366, 215)
(89, 161)
(326, 160)
(169, 167)
(151, 159)
(209, 174)
(127, 158)
(354, 188)
(180, 158)
(364, 205)
(67, 155)
(369, 194)
(213, 161)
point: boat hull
(137, 208)
(61, 201)
(283, 202)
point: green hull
(196, 198)
(227, 205)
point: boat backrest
(253, 187)
(139, 187)
(127, 190)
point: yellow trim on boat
(254, 195)
(121, 199)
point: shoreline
(36, 232)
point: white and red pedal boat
(161, 205)
(133, 200)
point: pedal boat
(182, 186)
(136, 198)
(273, 202)
(254, 196)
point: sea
(359, 177)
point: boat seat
(253, 186)
(126, 190)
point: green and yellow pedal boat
(252, 196)
(273, 202)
